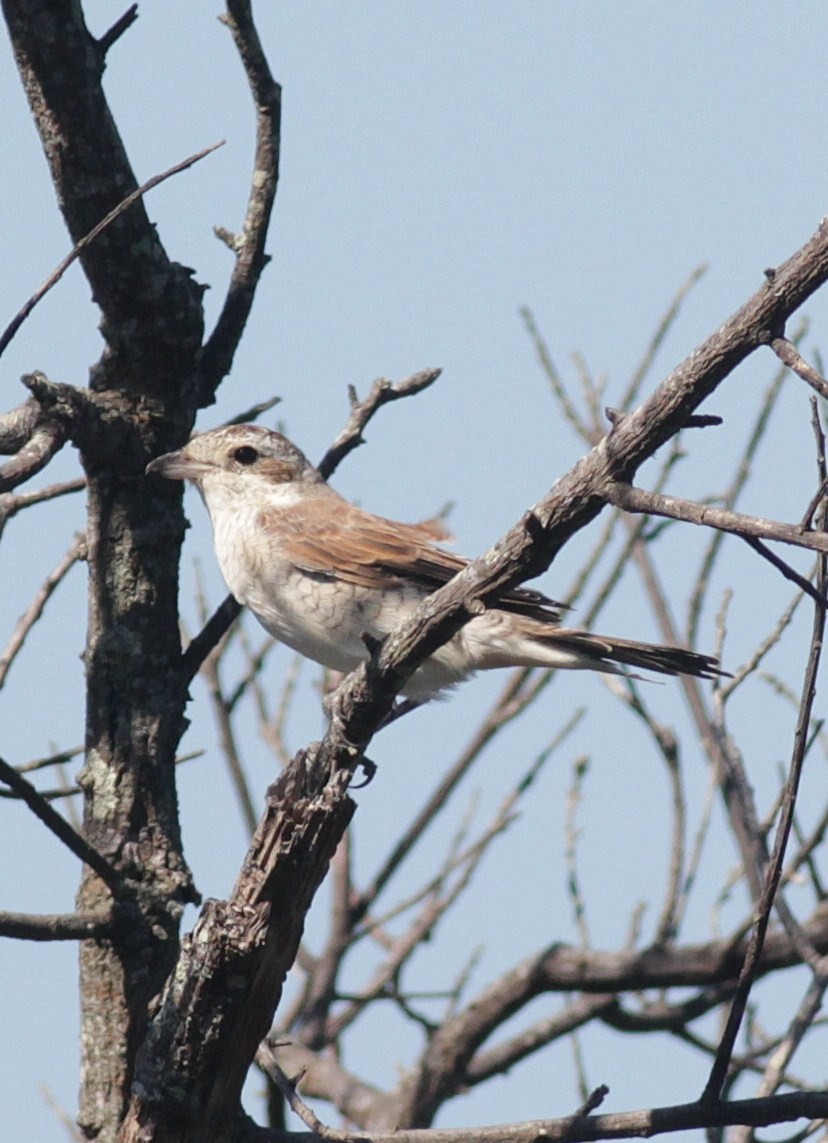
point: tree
(171, 1024)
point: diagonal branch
(86, 241)
(230, 975)
(749, 527)
(382, 393)
(786, 351)
(61, 828)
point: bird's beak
(177, 466)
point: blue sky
(442, 166)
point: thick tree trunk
(142, 401)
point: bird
(332, 580)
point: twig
(111, 35)
(382, 393)
(46, 440)
(297, 1105)
(229, 747)
(728, 686)
(787, 571)
(34, 611)
(87, 240)
(202, 644)
(801, 1023)
(254, 412)
(656, 341)
(773, 873)
(57, 926)
(732, 495)
(12, 503)
(275, 730)
(668, 747)
(632, 499)
(786, 351)
(62, 829)
(573, 800)
(571, 414)
(249, 246)
(621, 1125)
(223, 713)
(51, 760)
(499, 1059)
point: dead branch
(621, 1125)
(249, 246)
(773, 873)
(76, 551)
(57, 926)
(382, 393)
(631, 499)
(87, 240)
(46, 440)
(61, 828)
(786, 351)
(11, 503)
(121, 25)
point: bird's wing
(357, 547)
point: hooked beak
(178, 466)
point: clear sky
(442, 165)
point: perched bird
(328, 578)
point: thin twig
(728, 686)
(12, 503)
(87, 240)
(249, 246)
(731, 496)
(787, 571)
(253, 413)
(573, 801)
(111, 35)
(61, 828)
(786, 351)
(297, 1105)
(559, 390)
(33, 612)
(382, 393)
(773, 874)
(633, 499)
(657, 340)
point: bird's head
(237, 453)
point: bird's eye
(246, 455)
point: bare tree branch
(46, 440)
(786, 351)
(61, 829)
(773, 873)
(631, 499)
(76, 551)
(87, 240)
(584, 1129)
(382, 393)
(57, 926)
(249, 246)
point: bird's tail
(600, 653)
